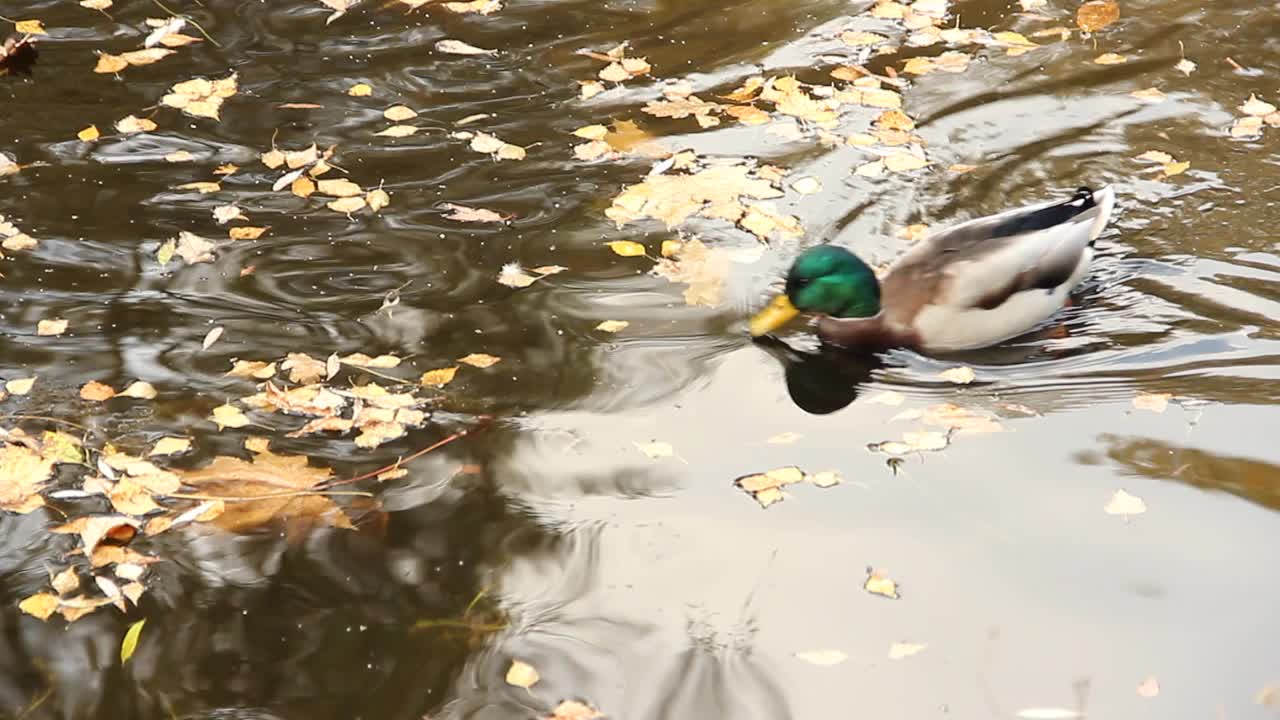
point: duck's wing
(983, 262)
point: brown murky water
(653, 588)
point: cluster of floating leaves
(146, 497)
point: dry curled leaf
(878, 583)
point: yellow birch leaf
(399, 113)
(30, 27)
(480, 360)
(439, 377)
(520, 674)
(130, 643)
(89, 134)
(21, 386)
(627, 248)
(878, 584)
(51, 327)
(40, 605)
(246, 233)
(377, 199)
(346, 205)
(360, 90)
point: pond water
(560, 535)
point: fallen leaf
(1097, 14)
(1122, 503)
(377, 199)
(398, 131)
(95, 4)
(224, 214)
(193, 249)
(439, 377)
(612, 326)
(267, 489)
(1110, 59)
(51, 327)
(179, 156)
(480, 360)
(246, 233)
(590, 88)
(346, 205)
(703, 269)
(89, 134)
(824, 479)
(360, 90)
(1185, 66)
(131, 124)
(30, 27)
(574, 710)
(878, 584)
(513, 275)
(40, 605)
(211, 337)
(20, 386)
(457, 47)
(627, 248)
(228, 416)
(339, 187)
(1256, 107)
(97, 392)
(463, 213)
(130, 642)
(139, 390)
(522, 675)
(96, 529)
(962, 375)
(900, 650)
(170, 446)
(824, 658)
(203, 187)
(482, 7)
(399, 113)
(1155, 402)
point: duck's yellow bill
(777, 313)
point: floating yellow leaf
(360, 90)
(1110, 59)
(203, 187)
(627, 248)
(130, 642)
(397, 131)
(170, 446)
(377, 199)
(399, 113)
(89, 134)
(480, 360)
(228, 416)
(879, 584)
(1185, 66)
(40, 605)
(824, 658)
(1256, 107)
(30, 27)
(1122, 503)
(346, 205)
(246, 233)
(20, 386)
(439, 377)
(522, 675)
(51, 327)
(612, 326)
(95, 4)
(339, 187)
(962, 375)
(131, 124)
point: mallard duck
(971, 285)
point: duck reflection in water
(823, 381)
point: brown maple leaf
(269, 489)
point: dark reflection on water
(650, 587)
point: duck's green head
(824, 279)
